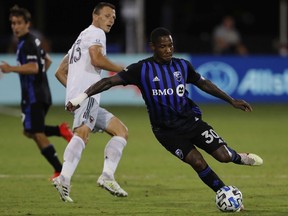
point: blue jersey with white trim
(163, 88)
(34, 87)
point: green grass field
(157, 182)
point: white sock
(72, 155)
(112, 156)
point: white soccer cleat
(63, 190)
(112, 186)
(251, 159)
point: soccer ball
(229, 199)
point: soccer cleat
(65, 131)
(56, 174)
(63, 190)
(112, 186)
(251, 159)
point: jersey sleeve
(30, 50)
(193, 76)
(131, 74)
(96, 37)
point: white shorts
(92, 115)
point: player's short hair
(158, 32)
(20, 12)
(100, 5)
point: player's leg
(84, 122)
(213, 144)
(195, 159)
(33, 122)
(73, 152)
(48, 151)
(113, 150)
(72, 156)
(181, 145)
(227, 154)
(62, 130)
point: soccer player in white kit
(79, 69)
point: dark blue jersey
(34, 87)
(163, 88)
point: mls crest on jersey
(178, 76)
(179, 153)
(91, 119)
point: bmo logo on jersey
(180, 90)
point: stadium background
(262, 76)
(190, 21)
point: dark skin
(162, 52)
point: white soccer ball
(229, 199)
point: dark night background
(190, 21)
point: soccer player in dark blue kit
(175, 119)
(33, 62)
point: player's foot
(251, 159)
(56, 174)
(112, 186)
(63, 189)
(65, 131)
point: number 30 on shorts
(210, 135)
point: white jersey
(81, 73)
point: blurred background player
(227, 39)
(80, 68)
(176, 120)
(36, 97)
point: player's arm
(102, 85)
(62, 71)
(101, 61)
(210, 88)
(29, 68)
(48, 61)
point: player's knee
(117, 128)
(196, 161)
(123, 132)
(198, 164)
(83, 132)
(28, 135)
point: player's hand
(243, 105)
(74, 103)
(70, 107)
(5, 67)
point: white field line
(10, 111)
(7, 176)
(38, 176)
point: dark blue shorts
(180, 143)
(33, 117)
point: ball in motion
(229, 199)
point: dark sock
(50, 154)
(235, 157)
(211, 179)
(52, 130)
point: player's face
(105, 19)
(19, 26)
(163, 49)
